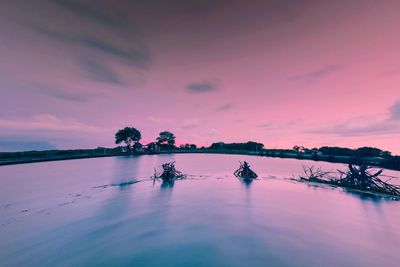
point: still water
(90, 213)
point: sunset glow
(283, 73)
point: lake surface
(89, 213)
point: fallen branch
(361, 177)
(169, 172)
(245, 172)
(355, 177)
(316, 175)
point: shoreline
(376, 162)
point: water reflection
(246, 182)
(365, 196)
(167, 185)
(246, 223)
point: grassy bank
(8, 158)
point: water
(90, 213)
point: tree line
(343, 151)
(130, 137)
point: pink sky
(311, 73)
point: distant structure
(152, 147)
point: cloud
(265, 125)
(12, 143)
(346, 129)
(316, 74)
(190, 124)
(46, 122)
(395, 111)
(159, 120)
(116, 22)
(137, 56)
(391, 72)
(66, 94)
(365, 126)
(201, 87)
(212, 132)
(98, 71)
(58, 93)
(134, 53)
(225, 107)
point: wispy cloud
(365, 126)
(54, 91)
(201, 87)
(395, 111)
(190, 124)
(394, 71)
(138, 56)
(47, 122)
(346, 129)
(316, 74)
(20, 143)
(275, 125)
(100, 72)
(62, 94)
(159, 120)
(265, 125)
(91, 12)
(227, 106)
(135, 54)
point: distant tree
(337, 151)
(296, 148)
(386, 154)
(370, 152)
(193, 146)
(166, 139)
(188, 146)
(249, 146)
(300, 149)
(253, 146)
(218, 145)
(128, 135)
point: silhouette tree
(249, 146)
(128, 135)
(166, 138)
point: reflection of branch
(154, 176)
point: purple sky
(279, 72)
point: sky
(281, 72)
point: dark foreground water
(89, 213)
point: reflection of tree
(124, 171)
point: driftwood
(245, 172)
(316, 174)
(355, 177)
(361, 177)
(169, 172)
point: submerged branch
(169, 173)
(245, 172)
(355, 177)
